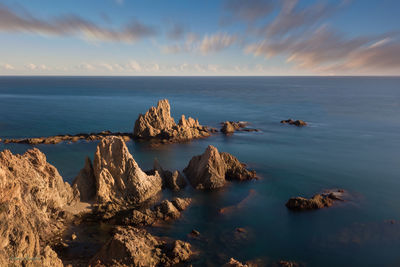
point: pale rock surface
(157, 123)
(118, 177)
(211, 169)
(33, 203)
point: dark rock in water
(318, 201)
(171, 180)
(181, 203)
(131, 246)
(158, 124)
(166, 209)
(86, 182)
(211, 169)
(228, 128)
(194, 233)
(294, 122)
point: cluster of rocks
(229, 127)
(68, 138)
(318, 201)
(282, 263)
(212, 169)
(35, 205)
(294, 122)
(157, 124)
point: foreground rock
(34, 201)
(294, 122)
(318, 201)
(118, 178)
(157, 124)
(131, 246)
(68, 138)
(212, 169)
(229, 127)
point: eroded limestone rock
(118, 176)
(211, 169)
(86, 182)
(33, 203)
(157, 124)
(130, 246)
(171, 180)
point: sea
(352, 142)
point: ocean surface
(352, 142)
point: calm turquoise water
(352, 142)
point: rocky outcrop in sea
(157, 124)
(212, 169)
(318, 201)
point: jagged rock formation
(33, 203)
(131, 246)
(318, 201)
(211, 169)
(235, 263)
(158, 124)
(294, 122)
(68, 138)
(171, 180)
(118, 176)
(86, 182)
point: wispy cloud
(177, 31)
(208, 44)
(71, 25)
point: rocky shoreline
(38, 209)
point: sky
(200, 37)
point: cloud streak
(71, 25)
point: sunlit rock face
(157, 124)
(212, 169)
(118, 176)
(34, 201)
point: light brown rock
(131, 246)
(118, 176)
(211, 169)
(33, 200)
(157, 124)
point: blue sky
(207, 37)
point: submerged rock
(211, 169)
(34, 201)
(131, 246)
(294, 122)
(158, 124)
(318, 201)
(118, 176)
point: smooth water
(352, 142)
